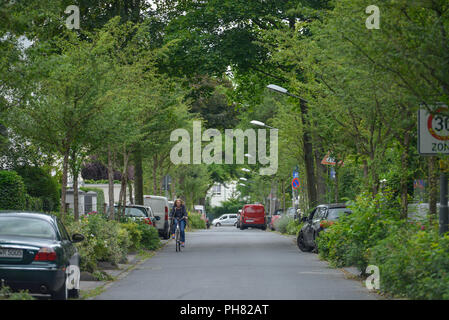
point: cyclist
(179, 215)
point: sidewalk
(90, 288)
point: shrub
(195, 221)
(282, 223)
(293, 227)
(135, 234)
(346, 243)
(40, 184)
(12, 191)
(33, 204)
(150, 236)
(413, 263)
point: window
(26, 227)
(224, 217)
(233, 216)
(216, 190)
(63, 231)
(336, 213)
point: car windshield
(335, 213)
(26, 227)
(133, 212)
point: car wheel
(61, 294)
(301, 245)
(264, 228)
(218, 224)
(235, 224)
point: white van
(160, 207)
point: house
(219, 193)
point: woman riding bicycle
(179, 215)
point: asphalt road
(227, 263)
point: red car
(253, 215)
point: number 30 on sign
(433, 131)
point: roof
(28, 214)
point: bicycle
(178, 237)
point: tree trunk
(155, 175)
(404, 176)
(124, 182)
(130, 186)
(321, 174)
(110, 184)
(65, 166)
(433, 187)
(308, 158)
(138, 176)
(76, 210)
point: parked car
(37, 253)
(229, 219)
(276, 216)
(253, 215)
(160, 207)
(318, 220)
(138, 212)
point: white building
(220, 193)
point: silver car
(229, 219)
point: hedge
(12, 191)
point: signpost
(433, 131)
(433, 139)
(295, 183)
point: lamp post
(307, 144)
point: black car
(37, 254)
(138, 212)
(319, 219)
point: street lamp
(307, 144)
(279, 89)
(260, 124)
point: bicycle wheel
(178, 240)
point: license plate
(11, 253)
(249, 220)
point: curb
(102, 287)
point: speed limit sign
(433, 131)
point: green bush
(40, 184)
(281, 224)
(34, 204)
(12, 191)
(195, 221)
(150, 236)
(293, 227)
(135, 234)
(346, 243)
(413, 263)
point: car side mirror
(77, 238)
(158, 218)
